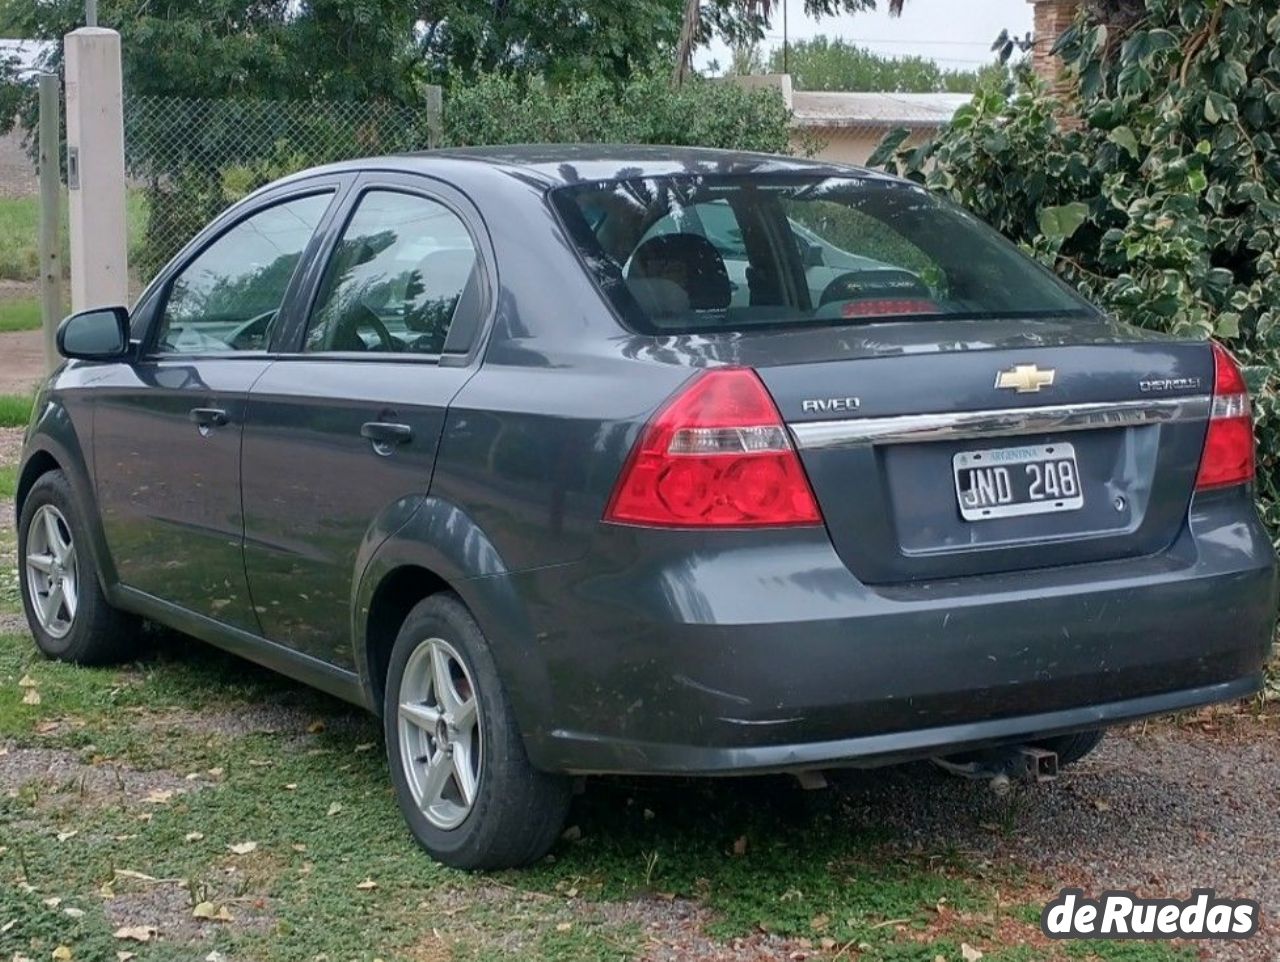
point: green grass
(19, 314)
(20, 233)
(15, 410)
(313, 794)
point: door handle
(208, 417)
(385, 434)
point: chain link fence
(188, 159)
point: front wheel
(69, 615)
(461, 775)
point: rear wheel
(65, 606)
(461, 775)
(1072, 748)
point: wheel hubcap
(52, 572)
(441, 747)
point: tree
(741, 22)
(826, 64)
(1164, 204)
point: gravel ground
(21, 361)
(1163, 812)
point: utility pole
(786, 46)
(90, 13)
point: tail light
(716, 456)
(1228, 445)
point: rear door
(167, 425)
(342, 430)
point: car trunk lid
(922, 451)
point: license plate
(1007, 482)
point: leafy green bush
(504, 109)
(1160, 197)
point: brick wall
(1052, 18)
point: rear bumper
(742, 656)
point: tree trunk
(684, 49)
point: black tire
(1072, 748)
(99, 634)
(518, 812)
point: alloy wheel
(52, 572)
(441, 743)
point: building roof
(824, 109)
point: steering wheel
(252, 334)
(359, 318)
(888, 284)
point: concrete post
(95, 169)
(50, 217)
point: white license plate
(1007, 482)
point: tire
(84, 628)
(1072, 748)
(515, 812)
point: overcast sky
(955, 33)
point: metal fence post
(435, 116)
(50, 217)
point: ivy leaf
(889, 147)
(1124, 137)
(1060, 223)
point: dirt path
(21, 361)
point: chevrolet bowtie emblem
(1025, 378)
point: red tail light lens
(1228, 445)
(718, 455)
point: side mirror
(813, 256)
(98, 335)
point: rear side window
(698, 254)
(404, 270)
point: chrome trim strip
(816, 435)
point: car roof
(553, 165)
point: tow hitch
(998, 766)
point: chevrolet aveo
(647, 460)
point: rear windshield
(696, 254)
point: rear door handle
(385, 434)
(208, 417)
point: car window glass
(715, 221)
(227, 298)
(398, 277)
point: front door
(167, 426)
(341, 435)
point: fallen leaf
(1101, 806)
(72, 912)
(242, 848)
(316, 727)
(215, 956)
(44, 727)
(158, 796)
(63, 836)
(26, 681)
(563, 926)
(740, 845)
(969, 953)
(193, 836)
(820, 923)
(52, 902)
(32, 697)
(123, 956)
(215, 772)
(137, 876)
(335, 808)
(299, 847)
(214, 913)
(137, 933)
(367, 884)
(364, 747)
(572, 833)
(292, 786)
(62, 953)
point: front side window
(226, 299)
(709, 253)
(405, 268)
